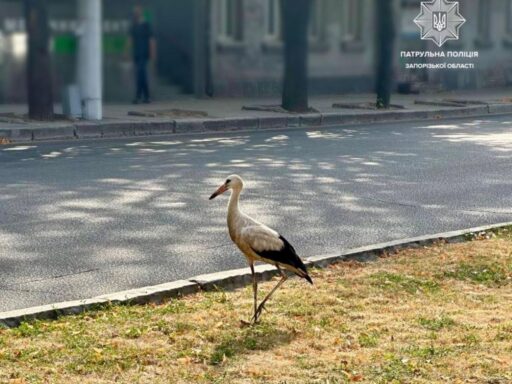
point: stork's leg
(254, 288)
(258, 311)
(255, 293)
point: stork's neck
(234, 214)
(233, 209)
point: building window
(483, 39)
(317, 21)
(231, 19)
(273, 27)
(507, 39)
(509, 17)
(353, 20)
(352, 28)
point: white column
(90, 54)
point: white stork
(259, 243)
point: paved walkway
(188, 115)
(232, 108)
(219, 108)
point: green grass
(439, 314)
(504, 333)
(436, 324)
(259, 338)
(394, 369)
(409, 284)
(482, 273)
(369, 339)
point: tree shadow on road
(83, 218)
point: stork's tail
(303, 272)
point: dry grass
(441, 314)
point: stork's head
(232, 182)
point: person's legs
(139, 69)
(144, 81)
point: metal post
(90, 59)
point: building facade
(247, 51)
(234, 47)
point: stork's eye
(228, 181)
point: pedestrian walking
(144, 50)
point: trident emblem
(439, 21)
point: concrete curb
(227, 280)
(153, 127)
(153, 294)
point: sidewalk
(202, 115)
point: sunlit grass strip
(430, 315)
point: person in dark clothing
(143, 50)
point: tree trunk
(385, 43)
(295, 21)
(39, 78)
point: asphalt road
(79, 219)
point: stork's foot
(255, 319)
(245, 323)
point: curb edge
(228, 280)
(124, 129)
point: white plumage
(258, 242)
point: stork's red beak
(219, 191)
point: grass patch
(259, 338)
(368, 323)
(368, 340)
(504, 233)
(409, 284)
(33, 329)
(394, 369)
(482, 273)
(427, 353)
(504, 333)
(436, 324)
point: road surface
(80, 219)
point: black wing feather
(286, 256)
